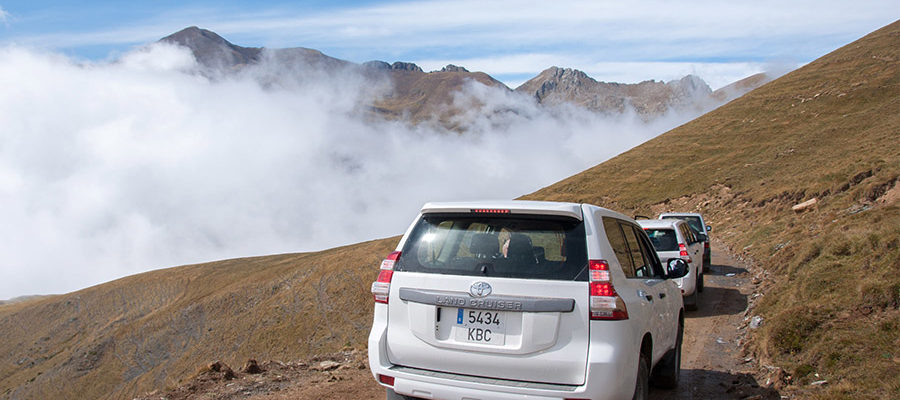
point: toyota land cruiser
(521, 299)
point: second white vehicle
(698, 226)
(673, 238)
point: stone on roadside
(806, 205)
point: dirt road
(712, 365)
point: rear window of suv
(663, 239)
(531, 247)
(693, 222)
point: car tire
(392, 395)
(642, 382)
(668, 369)
(700, 281)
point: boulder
(222, 368)
(251, 367)
(806, 205)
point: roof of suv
(514, 206)
(682, 213)
(659, 223)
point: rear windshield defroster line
(498, 303)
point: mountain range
(418, 95)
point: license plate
(480, 326)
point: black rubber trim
(489, 381)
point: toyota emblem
(480, 289)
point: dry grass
(831, 131)
(150, 331)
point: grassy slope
(828, 130)
(831, 131)
(151, 330)
(420, 96)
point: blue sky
(511, 40)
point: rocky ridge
(556, 86)
(418, 95)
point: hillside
(829, 131)
(149, 331)
(419, 96)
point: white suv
(520, 299)
(672, 238)
(695, 221)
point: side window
(617, 241)
(642, 269)
(685, 234)
(652, 261)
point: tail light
(382, 286)
(682, 252)
(605, 302)
(387, 380)
(706, 245)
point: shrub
(791, 330)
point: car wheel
(700, 282)
(668, 370)
(642, 383)
(392, 395)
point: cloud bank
(111, 169)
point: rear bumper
(610, 374)
(427, 385)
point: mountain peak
(453, 68)
(690, 86)
(212, 50)
(194, 35)
(565, 73)
(406, 66)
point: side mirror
(708, 228)
(676, 268)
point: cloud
(4, 16)
(575, 34)
(110, 169)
